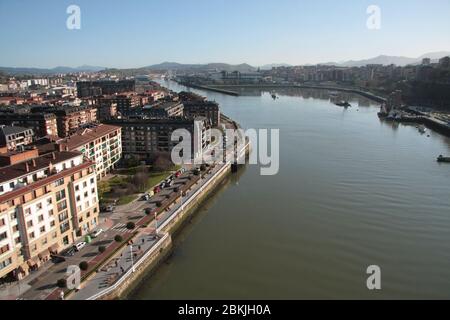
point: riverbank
(168, 223)
(225, 89)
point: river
(352, 191)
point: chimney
(27, 167)
(33, 161)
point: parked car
(177, 174)
(196, 171)
(145, 197)
(96, 233)
(79, 245)
(157, 189)
(70, 252)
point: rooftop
(84, 136)
(19, 169)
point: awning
(31, 263)
(43, 254)
(53, 248)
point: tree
(140, 180)
(101, 249)
(61, 283)
(118, 238)
(148, 211)
(84, 265)
(131, 225)
(162, 162)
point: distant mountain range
(174, 66)
(200, 67)
(387, 60)
(43, 71)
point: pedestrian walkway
(122, 228)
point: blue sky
(134, 33)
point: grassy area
(106, 188)
(126, 199)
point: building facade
(46, 204)
(143, 138)
(41, 123)
(15, 138)
(101, 144)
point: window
(78, 198)
(3, 236)
(49, 201)
(54, 235)
(4, 249)
(62, 205)
(85, 194)
(59, 182)
(39, 206)
(11, 184)
(13, 215)
(44, 241)
(42, 229)
(17, 240)
(15, 228)
(2, 222)
(31, 235)
(92, 180)
(77, 188)
(93, 190)
(60, 195)
(27, 211)
(41, 218)
(5, 263)
(52, 224)
(84, 184)
(30, 224)
(1, 188)
(50, 212)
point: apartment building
(165, 109)
(15, 138)
(69, 119)
(94, 88)
(101, 144)
(201, 108)
(145, 137)
(41, 123)
(47, 202)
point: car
(96, 233)
(157, 189)
(70, 252)
(177, 174)
(79, 245)
(145, 197)
(58, 259)
(196, 171)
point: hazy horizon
(139, 33)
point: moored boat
(441, 158)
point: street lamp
(181, 194)
(131, 253)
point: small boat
(274, 95)
(422, 129)
(441, 158)
(344, 104)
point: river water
(352, 191)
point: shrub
(61, 283)
(84, 265)
(118, 238)
(158, 204)
(131, 225)
(101, 249)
